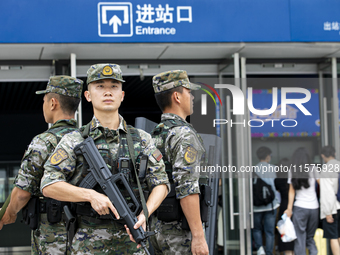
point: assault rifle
(100, 174)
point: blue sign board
(153, 21)
(294, 123)
(315, 20)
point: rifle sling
(131, 151)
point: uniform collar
(95, 124)
(70, 122)
(172, 116)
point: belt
(86, 210)
(43, 218)
(86, 221)
(42, 205)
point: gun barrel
(4, 207)
(145, 248)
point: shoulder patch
(157, 155)
(59, 156)
(190, 155)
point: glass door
(237, 208)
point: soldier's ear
(123, 94)
(176, 97)
(87, 95)
(53, 103)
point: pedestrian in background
(283, 187)
(305, 209)
(265, 215)
(329, 205)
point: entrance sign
(115, 19)
(175, 21)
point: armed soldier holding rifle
(61, 100)
(124, 150)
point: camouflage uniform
(184, 150)
(48, 238)
(93, 237)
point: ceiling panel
(170, 51)
(20, 51)
(103, 51)
(335, 54)
(288, 50)
(27, 73)
(201, 50)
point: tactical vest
(162, 130)
(112, 163)
(170, 209)
(61, 129)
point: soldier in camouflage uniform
(183, 149)
(99, 234)
(61, 100)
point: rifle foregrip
(88, 182)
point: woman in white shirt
(305, 209)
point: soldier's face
(105, 95)
(46, 109)
(188, 102)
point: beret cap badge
(107, 70)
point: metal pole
(240, 159)
(323, 130)
(230, 163)
(325, 112)
(335, 106)
(248, 201)
(79, 115)
(222, 114)
(52, 74)
(224, 190)
(244, 142)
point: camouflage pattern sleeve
(61, 165)
(32, 164)
(155, 174)
(184, 151)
